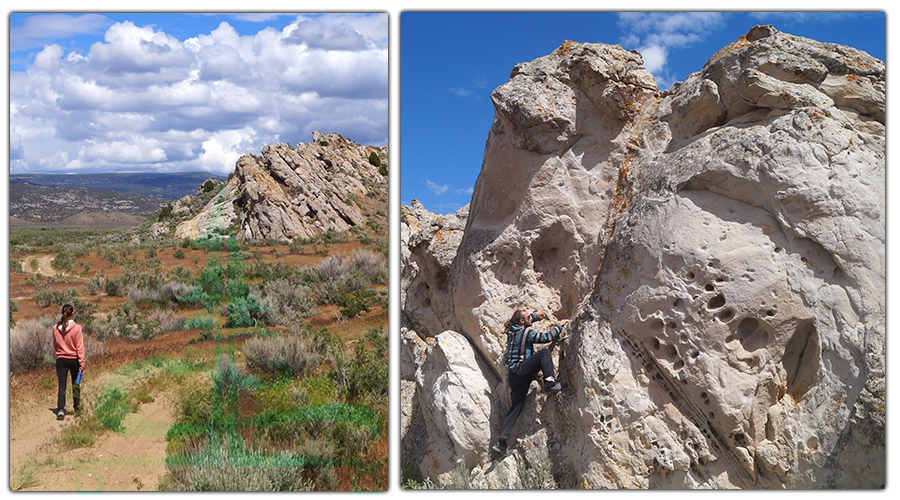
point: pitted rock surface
(720, 250)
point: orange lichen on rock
(566, 46)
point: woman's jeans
(519, 381)
(64, 366)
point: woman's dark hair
(67, 312)
(516, 319)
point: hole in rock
(812, 443)
(655, 344)
(668, 351)
(679, 364)
(656, 326)
(801, 359)
(672, 325)
(709, 287)
(726, 315)
(716, 302)
(747, 326)
(690, 275)
(442, 281)
(770, 313)
(678, 303)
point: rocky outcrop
(289, 192)
(428, 247)
(720, 249)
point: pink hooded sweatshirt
(69, 344)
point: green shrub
(63, 297)
(243, 312)
(112, 257)
(111, 409)
(277, 355)
(318, 390)
(374, 160)
(367, 376)
(206, 323)
(352, 304)
(459, 477)
(43, 297)
(285, 301)
(537, 475)
(63, 261)
(193, 403)
(165, 213)
(73, 437)
(179, 254)
(26, 476)
(114, 287)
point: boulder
(720, 250)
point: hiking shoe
(555, 387)
(499, 450)
(61, 415)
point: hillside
(329, 184)
(74, 206)
(168, 186)
(719, 250)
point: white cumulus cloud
(143, 96)
(656, 34)
(436, 189)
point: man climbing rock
(523, 363)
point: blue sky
(450, 62)
(172, 92)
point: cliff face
(719, 248)
(288, 192)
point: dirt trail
(43, 265)
(130, 460)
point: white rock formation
(720, 248)
(289, 192)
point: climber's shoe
(500, 450)
(554, 386)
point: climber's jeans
(64, 367)
(519, 381)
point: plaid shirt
(520, 342)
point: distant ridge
(51, 206)
(168, 186)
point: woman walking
(68, 341)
